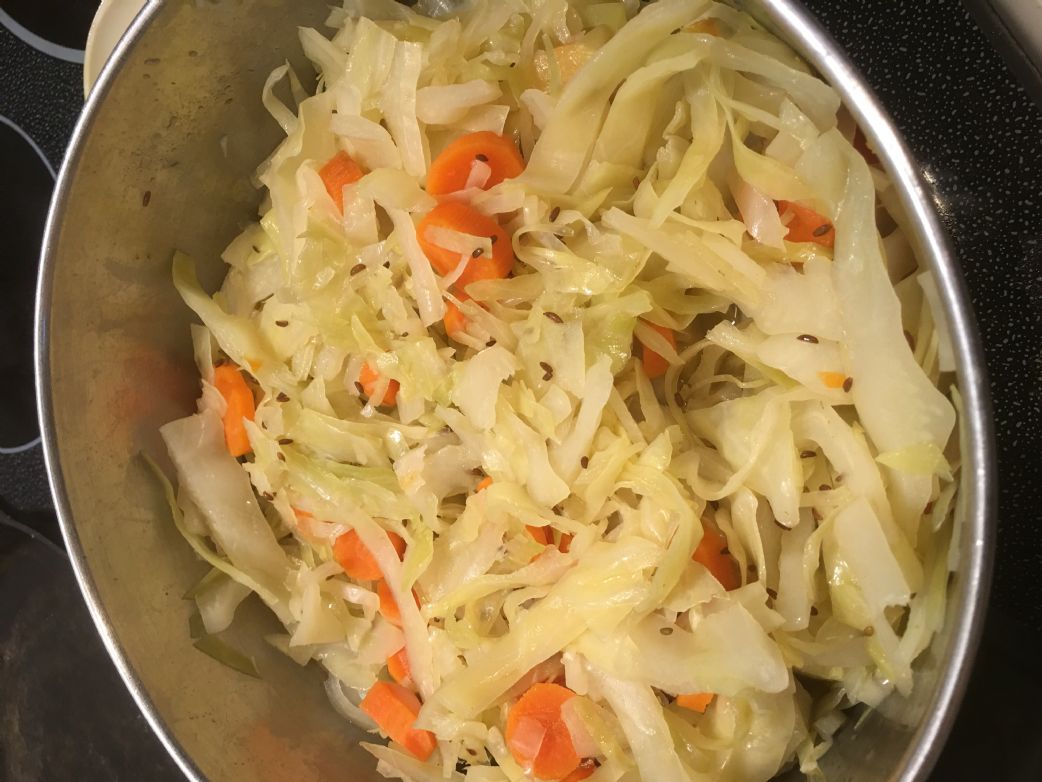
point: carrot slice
(538, 737)
(388, 605)
(585, 770)
(356, 560)
(394, 708)
(398, 667)
(450, 170)
(833, 379)
(369, 378)
(240, 405)
(484, 484)
(454, 320)
(541, 535)
(338, 172)
(696, 701)
(713, 554)
(654, 364)
(458, 216)
(565, 543)
(806, 225)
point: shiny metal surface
(162, 159)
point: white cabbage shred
(762, 513)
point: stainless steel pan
(162, 159)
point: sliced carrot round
(388, 605)
(450, 170)
(356, 559)
(454, 320)
(654, 364)
(370, 379)
(806, 225)
(398, 667)
(394, 708)
(696, 701)
(713, 554)
(537, 735)
(240, 405)
(457, 216)
(338, 172)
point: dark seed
(281, 456)
(477, 253)
(821, 230)
(285, 441)
(813, 611)
(681, 402)
(772, 594)
(256, 249)
(493, 239)
(848, 384)
(146, 198)
(491, 342)
(824, 487)
(806, 454)
(482, 158)
(808, 338)
(282, 396)
(282, 323)
(584, 462)
(555, 213)
(358, 268)
(666, 630)
(359, 387)
(547, 369)
(554, 317)
(870, 631)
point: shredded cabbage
(691, 447)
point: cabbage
(572, 508)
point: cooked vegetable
(537, 735)
(453, 168)
(394, 708)
(240, 406)
(576, 464)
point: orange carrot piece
(338, 172)
(585, 770)
(565, 543)
(713, 554)
(240, 405)
(388, 605)
(458, 216)
(450, 170)
(394, 708)
(806, 225)
(369, 378)
(356, 560)
(485, 483)
(654, 364)
(536, 734)
(696, 701)
(541, 535)
(454, 320)
(398, 667)
(705, 26)
(833, 379)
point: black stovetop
(971, 121)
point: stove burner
(24, 198)
(56, 27)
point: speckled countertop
(978, 134)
